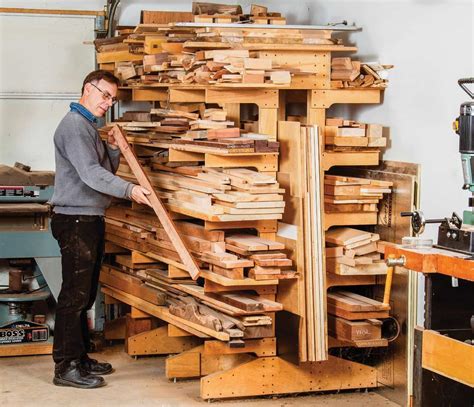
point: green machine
(30, 263)
(464, 127)
(454, 233)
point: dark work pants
(81, 240)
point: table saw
(30, 263)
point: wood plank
(448, 357)
(27, 349)
(224, 281)
(364, 269)
(168, 225)
(343, 329)
(353, 302)
(209, 300)
(235, 273)
(129, 284)
(335, 280)
(346, 236)
(213, 287)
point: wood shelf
(284, 47)
(324, 99)
(336, 280)
(349, 219)
(361, 270)
(229, 282)
(349, 158)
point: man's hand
(111, 139)
(139, 195)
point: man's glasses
(106, 95)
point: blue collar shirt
(77, 107)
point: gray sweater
(85, 167)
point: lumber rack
(231, 367)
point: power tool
(464, 126)
(453, 233)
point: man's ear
(87, 88)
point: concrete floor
(27, 381)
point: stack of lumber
(363, 333)
(229, 317)
(353, 252)
(354, 307)
(210, 66)
(189, 188)
(176, 53)
(224, 14)
(214, 194)
(187, 307)
(216, 13)
(139, 230)
(235, 264)
(261, 15)
(235, 314)
(313, 237)
(196, 129)
(153, 260)
(133, 264)
(255, 38)
(136, 229)
(353, 319)
(269, 261)
(350, 194)
(344, 69)
(341, 134)
(346, 73)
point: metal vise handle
(462, 83)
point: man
(84, 185)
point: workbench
(443, 362)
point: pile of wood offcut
(353, 252)
(346, 73)
(351, 194)
(193, 128)
(341, 134)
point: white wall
(44, 61)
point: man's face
(97, 97)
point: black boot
(73, 375)
(94, 367)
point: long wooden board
(448, 357)
(163, 313)
(191, 266)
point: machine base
(458, 240)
